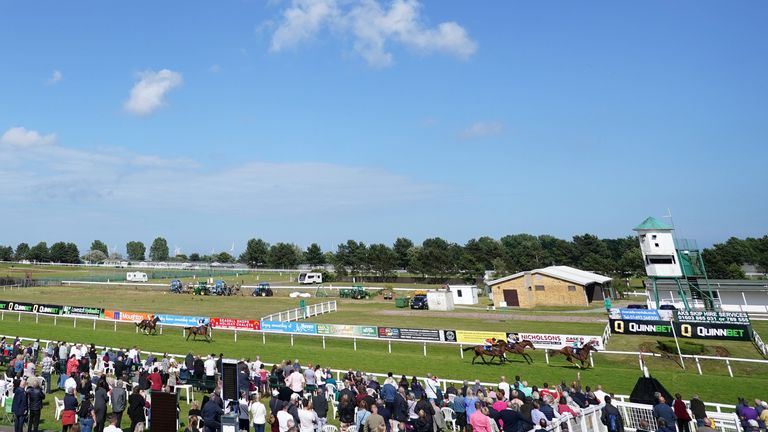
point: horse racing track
(616, 373)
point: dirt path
(494, 315)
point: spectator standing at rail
(681, 413)
(663, 410)
(611, 417)
(210, 367)
(399, 409)
(698, 410)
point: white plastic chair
(59, 407)
(352, 428)
(450, 416)
(330, 428)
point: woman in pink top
(563, 407)
(479, 421)
(263, 380)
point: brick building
(550, 286)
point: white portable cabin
(310, 278)
(136, 277)
(464, 294)
(439, 301)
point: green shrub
(686, 347)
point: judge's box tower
(666, 257)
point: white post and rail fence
(91, 323)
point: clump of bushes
(686, 347)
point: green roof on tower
(651, 223)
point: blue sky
(324, 120)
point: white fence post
(730, 371)
(461, 350)
(354, 341)
(546, 355)
(389, 346)
(74, 322)
(94, 323)
(698, 364)
(264, 338)
(425, 349)
(235, 335)
(591, 360)
(323, 342)
(291, 339)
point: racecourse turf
(617, 373)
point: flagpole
(679, 353)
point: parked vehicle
(263, 290)
(136, 277)
(419, 302)
(176, 286)
(310, 278)
(637, 306)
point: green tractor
(357, 292)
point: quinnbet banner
(722, 331)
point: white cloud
(371, 27)
(56, 76)
(122, 180)
(214, 68)
(481, 130)
(149, 93)
(22, 137)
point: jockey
(575, 347)
(513, 339)
(490, 343)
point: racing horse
(496, 351)
(203, 330)
(148, 326)
(519, 348)
(582, 355)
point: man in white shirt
(307, 417)
(430, 387)
(70, 385)
(600, 394)
(76, 352)
(504, 385)
(319, 376)
(284, 420)
(258, 413)
(295, 382)
(112, 419)
(255, 366)
(210, 367)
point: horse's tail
(468, 349)
(553, 353)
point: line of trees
(434, 257)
